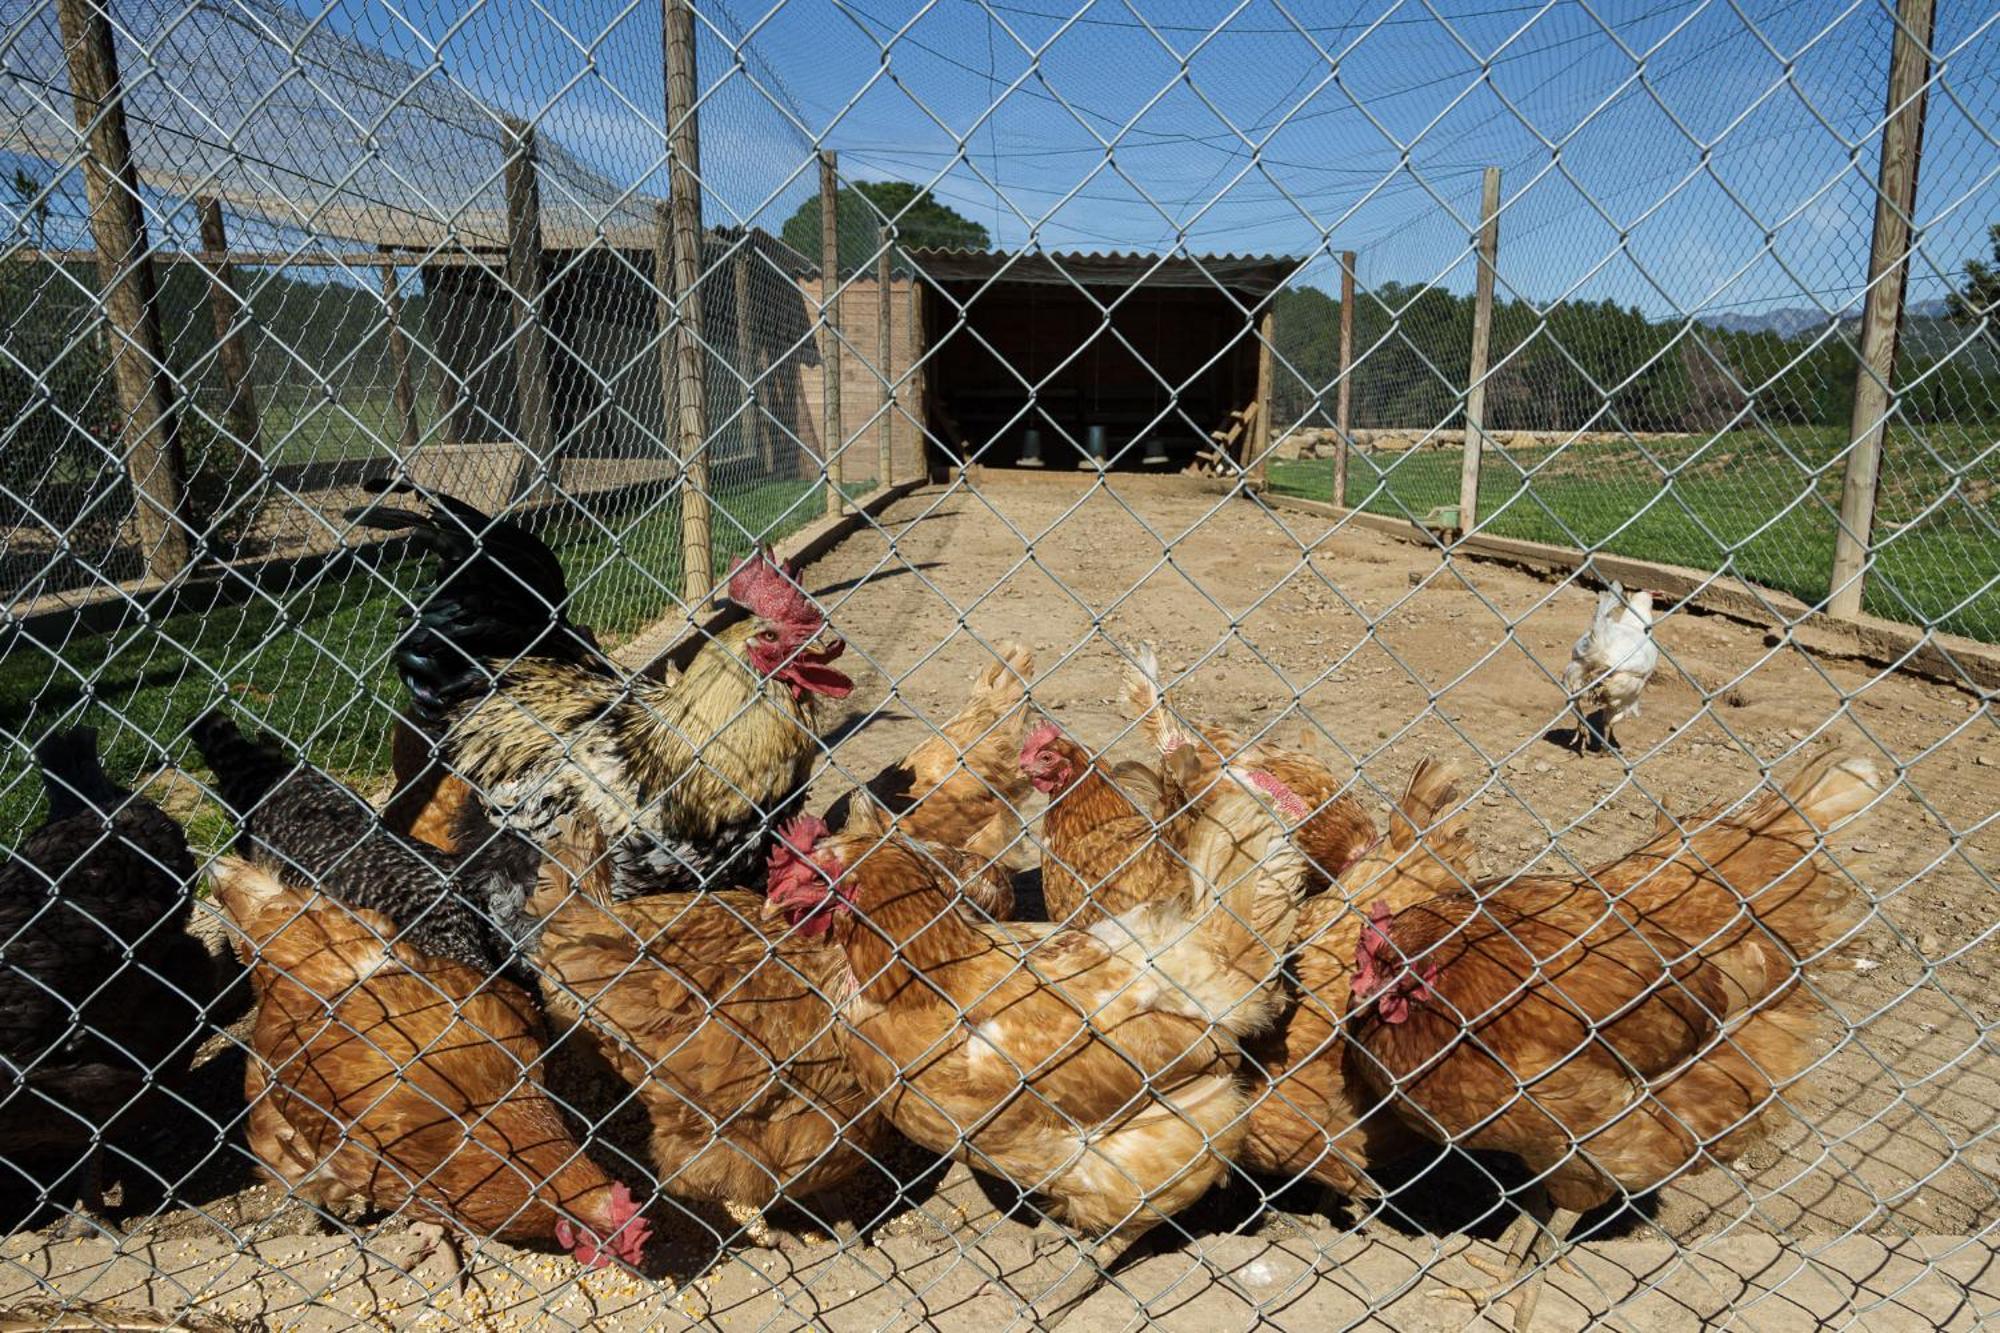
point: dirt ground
(1873, 1202)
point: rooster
(1098, 1067)
(1617, 1030)
(466, 906)
(407, 1080)
(102, 990)
(683, 775)
(1611, 665)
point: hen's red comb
(1046, 734)
(769, 591)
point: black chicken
(314, 833)
(103, 993)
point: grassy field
(1760, 506)
(313, 664)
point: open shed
(1154, 350)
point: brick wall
(862, 387)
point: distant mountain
(1791, 321)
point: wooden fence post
(833, 444)
(130, 291)
(1257, 446)
(690, 353)
(1482, 337)
(884, 429)
(232, 356)
(1882, 311)
(399, 361)
(919, 389)
(1343, 406)
(524, 281)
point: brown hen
(407, 1081)
(1617, 1029)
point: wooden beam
(1343, 416)
(130, 292)
(1259, 447)
(1488, 246)
(536, 427)
(1882, 313)
(690, 352)
(232, 354)
(399, 361)
(834, 446)
(750, 364)
(919, 390)
(210, 257)
(884, 428)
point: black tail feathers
(74, 777)
(499, 594)
(246, 768)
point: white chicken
(1611, 664)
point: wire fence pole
(399, 362)
(1343, 418)
(232, 354)
(1482, 335)
(1882, 312)
(536, 428)
(831, 447)
(884, 430)
(690, 353)
(150, 437)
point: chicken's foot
(434, 1238)
(1538, 1231)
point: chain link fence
(1187, 848)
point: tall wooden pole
(834, 441)
(399, 362)
(750, 365)
(884, 429)
(690, 353)
(130, 291)
(1258, 445)
(524, 282)
(1343, 407)
(1882, 312)
(232, 356)
(1482, 338)
(919, 390)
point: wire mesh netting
(689, 662)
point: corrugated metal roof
(1255, 275)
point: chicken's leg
(88, 1193)
(1540, 1230)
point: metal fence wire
(973, 663)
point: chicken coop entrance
(1135, 357)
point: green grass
(1759, 505)
(312, 663)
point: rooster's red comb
(769, 591)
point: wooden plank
(1488, 246)
(690, 352)
(129, 292)
(1882, 314)
(232, 353)
(1948, 658)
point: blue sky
(1145, 124)
(1670, 156)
